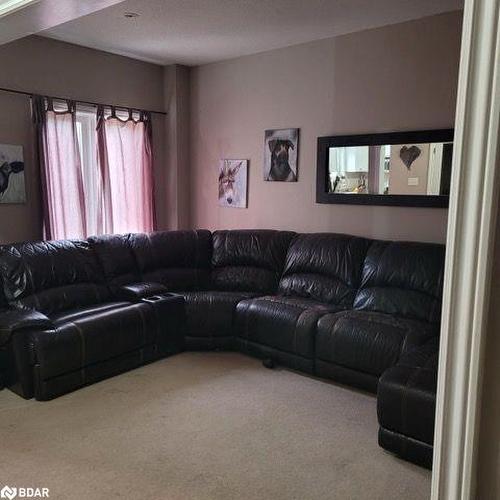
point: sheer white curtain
(60, 168)
(125, 159)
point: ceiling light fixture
(9, 6)
(131, 15)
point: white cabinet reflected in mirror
(408, 168)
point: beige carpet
(203, 426)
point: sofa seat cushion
(406, 400)
(281, 322)
(75, 314)
(368, 342)
(91, 335)
(211, 313)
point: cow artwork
(233, 183)
(12, 187)
(280, 155)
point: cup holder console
(162, 297)
(154, 298)
(170, 307)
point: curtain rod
(31, 94)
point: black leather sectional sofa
(361, 312)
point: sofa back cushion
(249, 260)
(51, 276)
(180, 260)
(325, 267)
(404, 279)
(116, 258)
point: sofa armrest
(406, 404)
(12, 320)
(135, 292)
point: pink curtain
(61, 172)
(117, 195)
(126, 164)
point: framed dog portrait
(281, 150)
(233, 177)
(12, 187)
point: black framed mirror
(410, 169)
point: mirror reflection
(402, 169)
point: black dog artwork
(6, 169)
(280, 168)
(280, 155)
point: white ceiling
(194, 32)
(44, 14)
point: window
(86, 126)
(97, 170)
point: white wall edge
(471, 234)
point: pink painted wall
(399, 77)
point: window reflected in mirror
(397, 169)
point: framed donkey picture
(233, 178)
